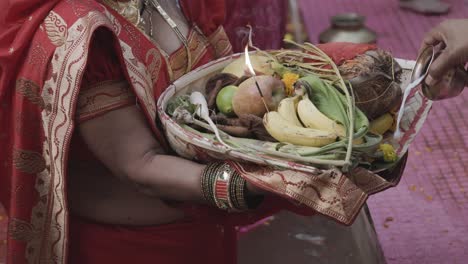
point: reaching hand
(453, 37)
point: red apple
(247, 99)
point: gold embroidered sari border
(102, 98)
(220, 41)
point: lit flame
(252, 72)
(247, 61)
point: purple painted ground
(424, 219)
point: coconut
(374, 77)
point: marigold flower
(289, 79)
(389, 153)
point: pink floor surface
(424, 219)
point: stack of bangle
(223, 187)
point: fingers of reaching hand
(441, 36)
(442, 64)
(449, 58)
(433, 38)
(451, 38)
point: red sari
(268, 19)
(43, 57)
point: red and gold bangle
(221, 185)
(237, 191)
(208, 175)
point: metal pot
(452, 83)
(348, 27)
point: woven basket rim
(171, 126)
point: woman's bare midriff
(95, 194)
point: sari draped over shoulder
(43, 58)
(268, 19)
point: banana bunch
(287, 109)
(313, 118)
(298, 121)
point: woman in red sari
(86, 173)
(87, 176)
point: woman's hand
(453, 37)
(254, 190)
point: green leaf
(333, 104)
(180, 101)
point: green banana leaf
(333, 104)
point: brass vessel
(348, 27)
(450, 85)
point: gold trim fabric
(220, 41)
(45, 234)
(329, 192)
(102, 98)
(178, 60)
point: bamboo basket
(325, 189)
(191, 145)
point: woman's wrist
(223, 187)
(254, 190)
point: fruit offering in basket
(326, 105)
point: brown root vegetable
(224, 120)
(226, 79)
(374, 77)
(248, 100)
(251, 123)
(237, 131)
(232, 125)
(255, 125)
(213, 93)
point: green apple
(224, 100)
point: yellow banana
(311, 117)
(283, 131)
(287, 109)
(382, 124)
